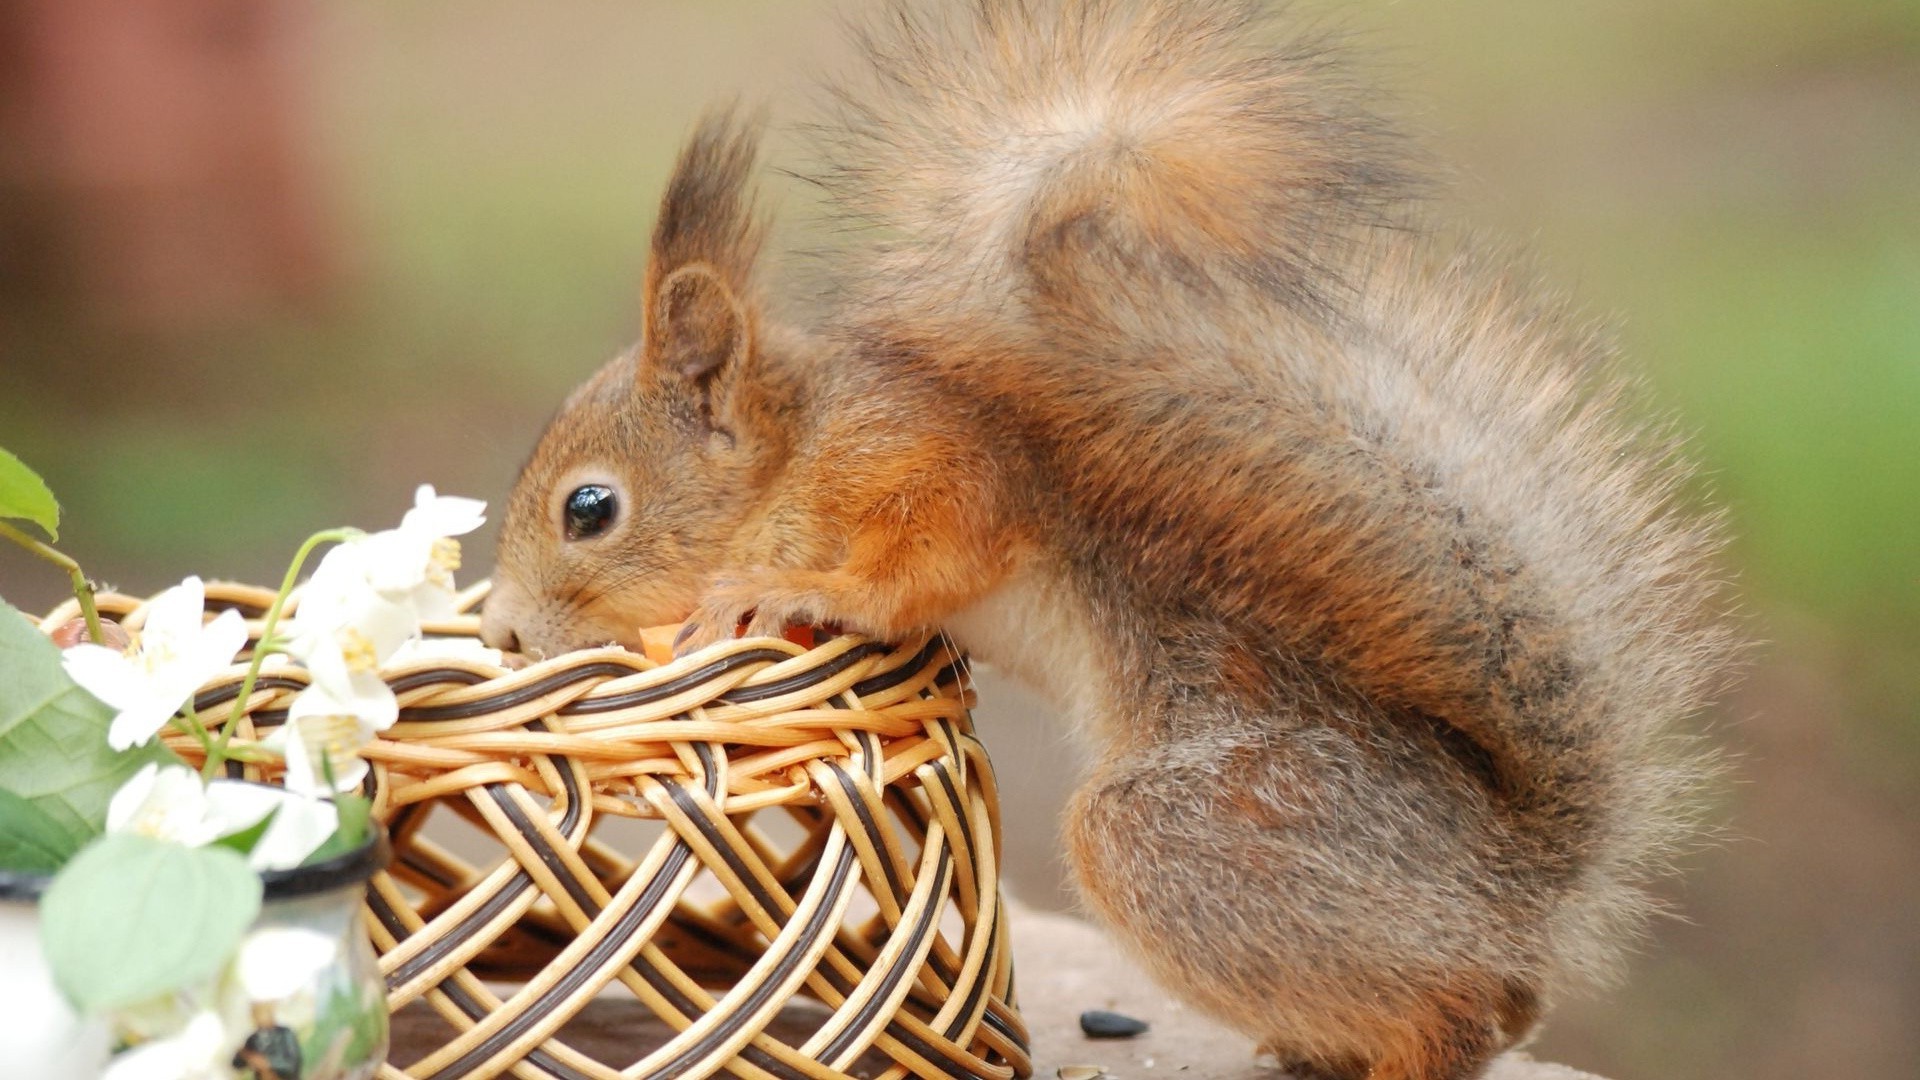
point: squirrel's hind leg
(1292, 884)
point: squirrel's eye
(590, 510)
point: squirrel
(1148, 376)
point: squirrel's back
(1178, 265)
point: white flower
(417, 560)
(328, 723)
(202, 1050)
(369, 594)
(177, 652)
(344, 686)
(317, 744)
(414, 563)
(173, 804)
(442, 515)
(300, 822)
(165, 804)
(278, 962)
(343, 623)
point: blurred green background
(1737, 186)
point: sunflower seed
(1099, 1024)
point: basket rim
(343, 870)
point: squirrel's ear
(704, 247)
(698, 324)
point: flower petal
(178, 611)
(219, 643)
(296, 833)
(374, 701)
(280, 961)
(317, 743)
(362, 695)
(436, 650)
(136, 726)
(387, 625)
(177, 654)
(106, 674)
(236, 806)
(397, 560)
(341, 570)
(159, 1059)
(443, 515)
(344, 610)
(297, 830)
(434, 602)
(318, 699)
(198, 1050)
(167, 803)
(127, 801)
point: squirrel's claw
(695, 635)
(757, 603)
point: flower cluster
(362, 608)
(194, 1035)
(174, 804)
(365, 606)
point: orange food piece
(657, 642)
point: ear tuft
(705, 244)
(707, 214)
(700, 324)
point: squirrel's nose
(497, 629)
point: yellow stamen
(357, 650)
(446, 553)
(332, 742)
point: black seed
(1098, 1024)
(270, 1053)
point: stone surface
(1063, 967)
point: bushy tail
(1126, 180)
(1093, 163)
(1608, 625)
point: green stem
(191, 724)
(251, 754)
(82, 588)
(216, 754)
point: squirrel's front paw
(766, 602)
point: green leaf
(30, 839)
(131, 918)
(53, 735)
(355, 813)
(243, 841)
(351, 1024)
(369, 1023)
(24, 495)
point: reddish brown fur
(1152, 387)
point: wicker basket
(832, 804)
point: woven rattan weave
(823, 826)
